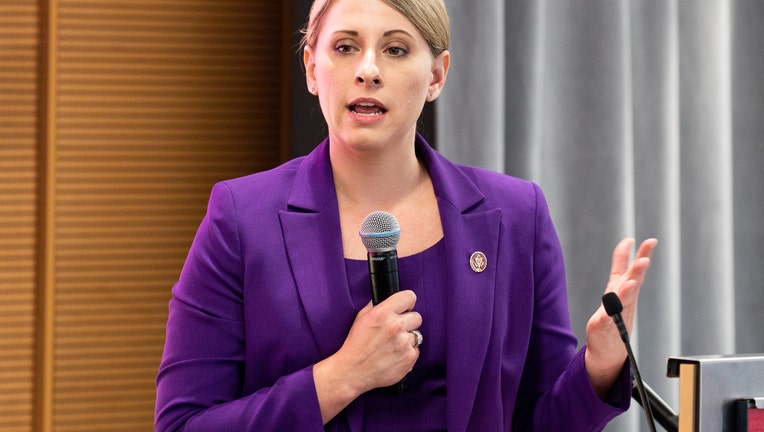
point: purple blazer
(263, 296)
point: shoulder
(466, 187)
(265, 188)
(496, 182)
(305, 182)
(503, 190)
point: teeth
(369, 109)
(368, 114)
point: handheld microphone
(380, 233)
(613, 307)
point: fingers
(622, 270)
(401, 304)
(626, 278)
(641, 263)
(398, 303)
(621, 254)
(646, 248)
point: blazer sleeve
(200, 379)
(555, 386)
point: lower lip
(365, 118)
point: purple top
(423, 405)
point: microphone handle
(383, 273)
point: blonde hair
(428, 16)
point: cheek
(418, 84)
(327, 87)
(416, 91)
(322, 79)
(327, 74)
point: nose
(368, 71)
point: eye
(343, 47)
(397, 51)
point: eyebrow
(392, 32)
(385, 34)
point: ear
(439, 73)
(309, 61)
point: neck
(377, 178)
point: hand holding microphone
(381, 346)
(380, 233)
(373, 355)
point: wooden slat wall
(157, 100)
(151, 103)
(18, 137)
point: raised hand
(605, 352)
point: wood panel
(116, 117)
(156, 100)
(18, 183)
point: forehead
(366, 16)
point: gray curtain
(637, 118)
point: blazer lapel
(313, 240)
(470, 307)
(468, 228)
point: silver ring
(419, 338)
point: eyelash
(344, 48)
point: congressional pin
(478, 262)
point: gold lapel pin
(478, 261)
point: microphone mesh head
(612, 303)
(380, 232)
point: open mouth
(367, 109)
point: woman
(271, 325)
